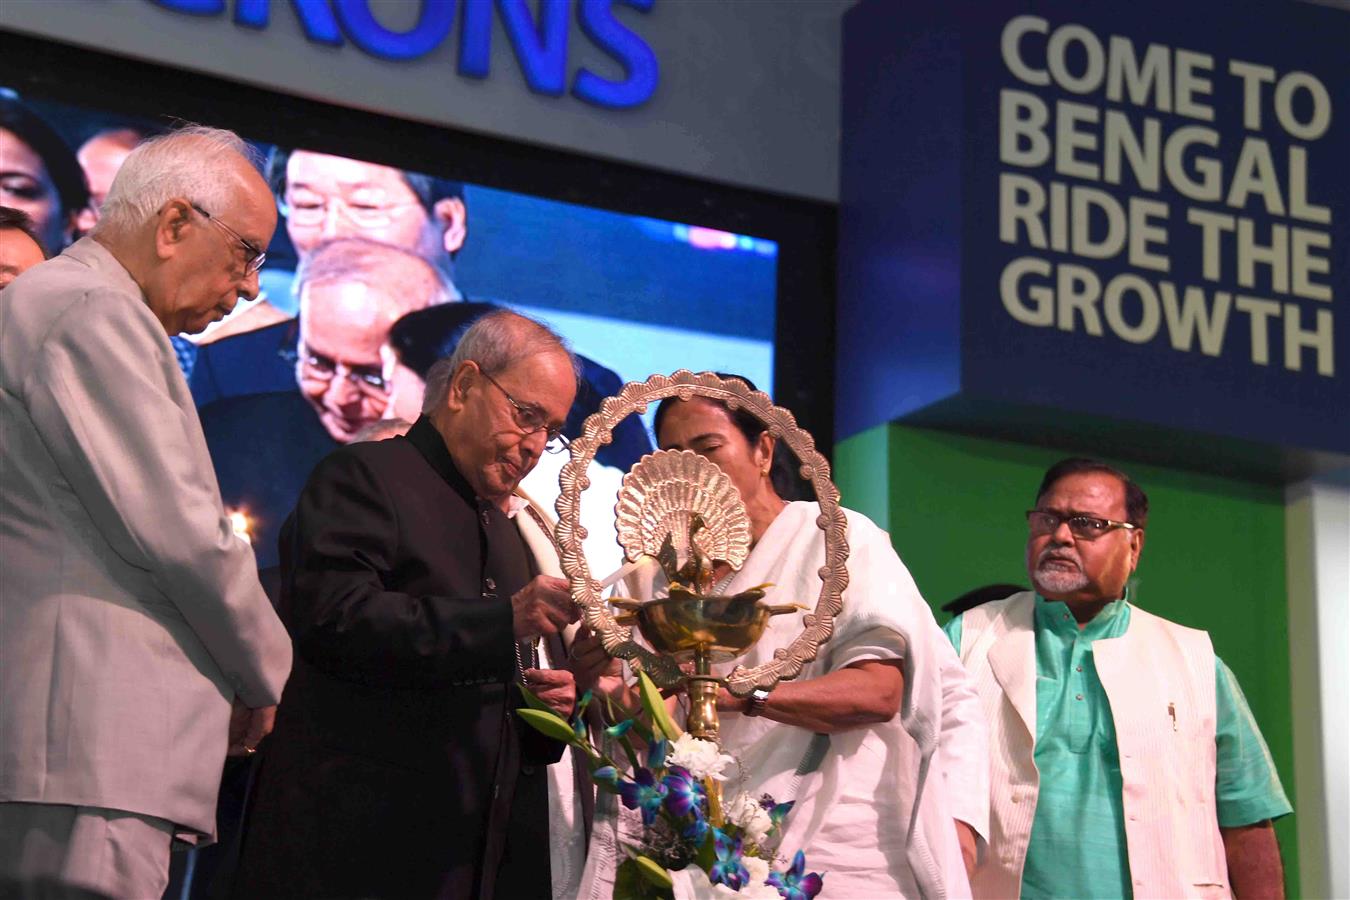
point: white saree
(875, 815)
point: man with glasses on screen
(418, 586)
(264, 445)
(1125, 761)
(131, 617)
(325, 198)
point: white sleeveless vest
(1159, 678)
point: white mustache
(1051, 553)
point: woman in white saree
(880, 742)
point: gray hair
(186, 162)
(407, 279)
(495, 342)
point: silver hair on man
(494, 342)
(409, 280)
(186, 162)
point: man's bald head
(500, 398)
(351, 293)
(403, 278)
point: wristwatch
(754, 704)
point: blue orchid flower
(684, 792)
(697, 830)
(607, 774)
(778, 812)
(728, 869)
(579, 717)
(644, 793)
(792, 884)
(618, 731)
(656, 754)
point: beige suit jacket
(130, 614)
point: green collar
(1054, 615)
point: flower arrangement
(725, 849)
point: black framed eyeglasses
(1085, 528)
(369, 379)
(310, 210)
(254, 256)
(530, 419)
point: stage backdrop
(1124, 220)
(1107, 228)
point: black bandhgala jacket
(397, 768)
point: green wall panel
(1213, 555)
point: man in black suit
(413, 592)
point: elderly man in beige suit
(131, 617)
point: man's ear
(1138, 537)
(170, 225)
(463, 378)
(452, 218)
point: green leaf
(707, 853)
(628, 750)
(550, 724)
(580, 741)
(655, 704)
(532, 701)
(654, 873)
(643, 731)
(629, 884)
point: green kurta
(1077, 846)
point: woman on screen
(39, 173)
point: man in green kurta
(1086, 534)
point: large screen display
(375, 271)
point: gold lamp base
(689, 627)
(685, 625)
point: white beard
(1049, 578)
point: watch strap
(754, 704)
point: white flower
(758, 869)
(704, 889)
(754, 889)
(702, 758)
(758, 890)
(745, 811)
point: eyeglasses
(530, 419)
(254, 256)
(1085, 528)
(311, 211)
(367, 379)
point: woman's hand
(860, 694)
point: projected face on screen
(375, 271)
(326, 197)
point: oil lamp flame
(242, 524)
